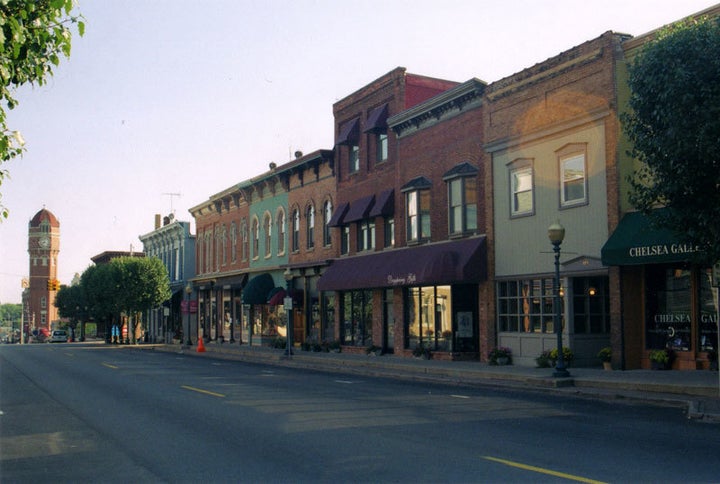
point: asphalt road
(96, 413)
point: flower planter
(607, 366)
(503, 360)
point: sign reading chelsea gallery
(662, 250)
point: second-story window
(417, 209)
(381, 147)
(310, 227)
(208, 251)
(349, 135)
(327, 215)
(233, 242)
(462, 198)
(522, 200)
(345, 240)
(245, 242)
(281, 231)
(255, 238)
(296, 230)
(267, 229)
(366, 235)
(389, 232)
(573, 181)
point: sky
(190, 97)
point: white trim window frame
(522, 188)
(572, 166)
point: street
(99, 413)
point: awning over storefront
(462, 261)
(257, 289)
(637, 241)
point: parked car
(59, 336)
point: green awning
(637, 241)
(257, 289)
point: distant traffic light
(50, 283)
(53, 285)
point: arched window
(267, 229)
(296, 231)
(327, 215)
(255, 238)
(310, 227)
(281, 231)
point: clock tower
(43, 248)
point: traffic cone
(201, 346)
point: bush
(543, 361)
(568, 356)
(605, 354)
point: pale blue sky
(188, 96)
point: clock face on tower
(44, 242)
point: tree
(674, 125)
(71, 303)
(33, 35)
(102, 286)
(144, 285)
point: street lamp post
(556, 234)
(188, 292)
(288, 307)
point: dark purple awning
(349, 132)
(339, 215)
(377, 119)
(359, 209)
(384, 204)
(457, 262)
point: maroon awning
(457, 262)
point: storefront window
(328, 320)
(668, 311)
(430, 317)
(526, 306)
(357, 318)
(708, 313)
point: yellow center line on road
(110, 366)
(200, 390)
(540, 470)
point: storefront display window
(668, 311)
(708, 314)
(357, 318)
(526, 306)
(328, 320)
(430, 318)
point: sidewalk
(698, 391)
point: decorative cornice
(445, 105)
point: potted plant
(334, 346)
(500, 356)
(712, 355)
(373, 350)
(543, 361)
(421, 351)
(605, 356)
(568, 356)
(659, 359)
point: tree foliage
(131, 285)
(33, 36)
(71, 302)
(674, 125)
